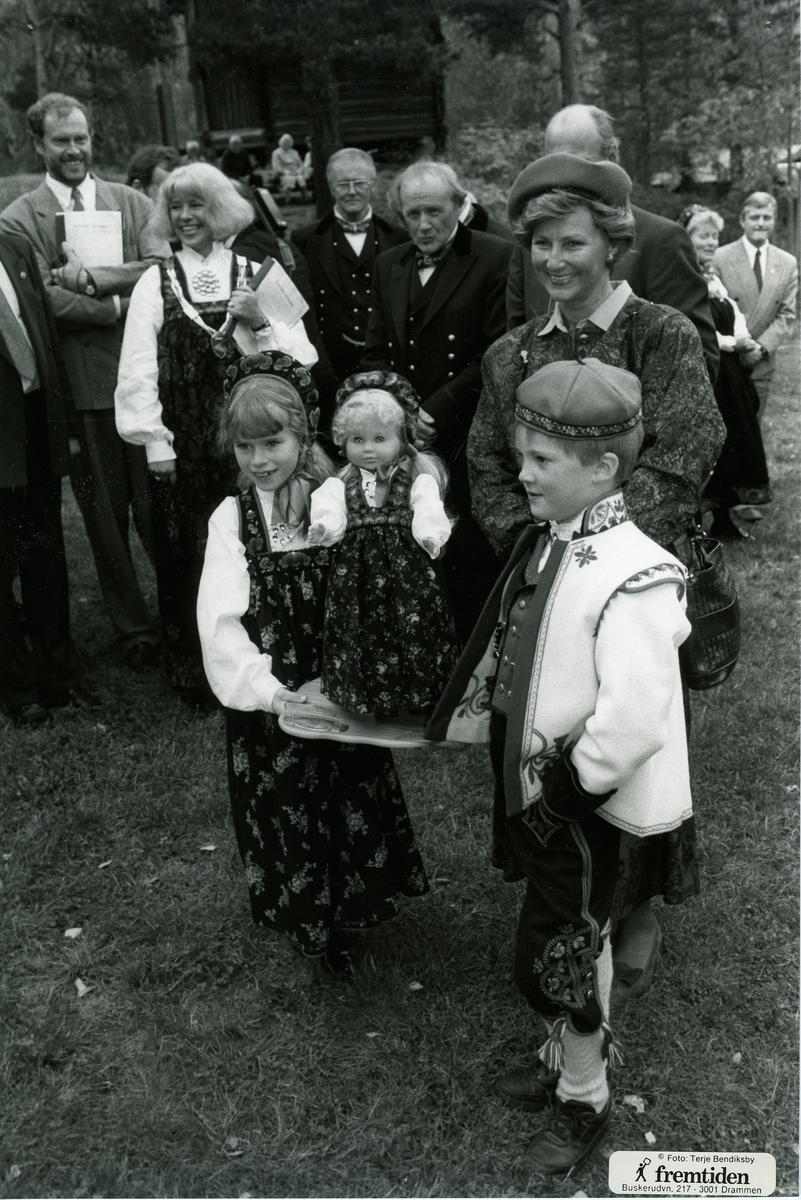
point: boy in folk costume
(572, 674)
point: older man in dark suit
(661, 267)
(40, 434)
(341, 250)
(438, 303)
(108, 477)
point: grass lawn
(204, 1060)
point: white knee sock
(583, 1074)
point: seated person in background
(287, 165)
(572, 675)
(193, 153)
(236, 162)
(150, 166)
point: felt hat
(385, 381)
(604, 180)
(584, 400)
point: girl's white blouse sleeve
(240, 675)
(429, 519)
(136, 401)
(329, 509)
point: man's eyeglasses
(358, 185)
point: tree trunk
(321, 97)
(568, 51)
(41, 25)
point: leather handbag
(710, 653)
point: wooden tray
(319, 718)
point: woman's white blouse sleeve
(329, 509)
(429, 519)
(240, 675)
(136, 401)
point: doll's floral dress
(390, 643)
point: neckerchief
(219, 337)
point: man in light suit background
(109, 477)
(764, 282)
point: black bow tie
(431, 260)
(354, 226)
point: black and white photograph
(400, 468)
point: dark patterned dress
(390, 644)
(322, 827)
(741, 472)
(190, 391)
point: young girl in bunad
(390, 643)
(322, 827)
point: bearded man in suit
(437, 304)
(341, 250)
(661, 266)
(763, 280)
(109, 477)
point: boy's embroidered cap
(606, 180)
(580, 400)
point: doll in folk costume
(390, 644)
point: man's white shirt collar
(751, 250)
(603, 316)
(63, 192)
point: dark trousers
(570, 884)
(32, 544)
(110, 479)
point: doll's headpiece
(585, 400)
(385, 381)
(280, 366)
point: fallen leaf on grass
(636, 1102)
(737, 1058)
(372, 1035)
(650, 1138)
(102, 728)
(13, 1172)
(107, 863)
(74, 932)
(575, 1194)
(231, 1143)
(81, 988)
(415, 987)
(210, 847)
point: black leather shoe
(141, 656)
(25, 716)
(529, 1088)
(76, 696)
(569, 1136)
